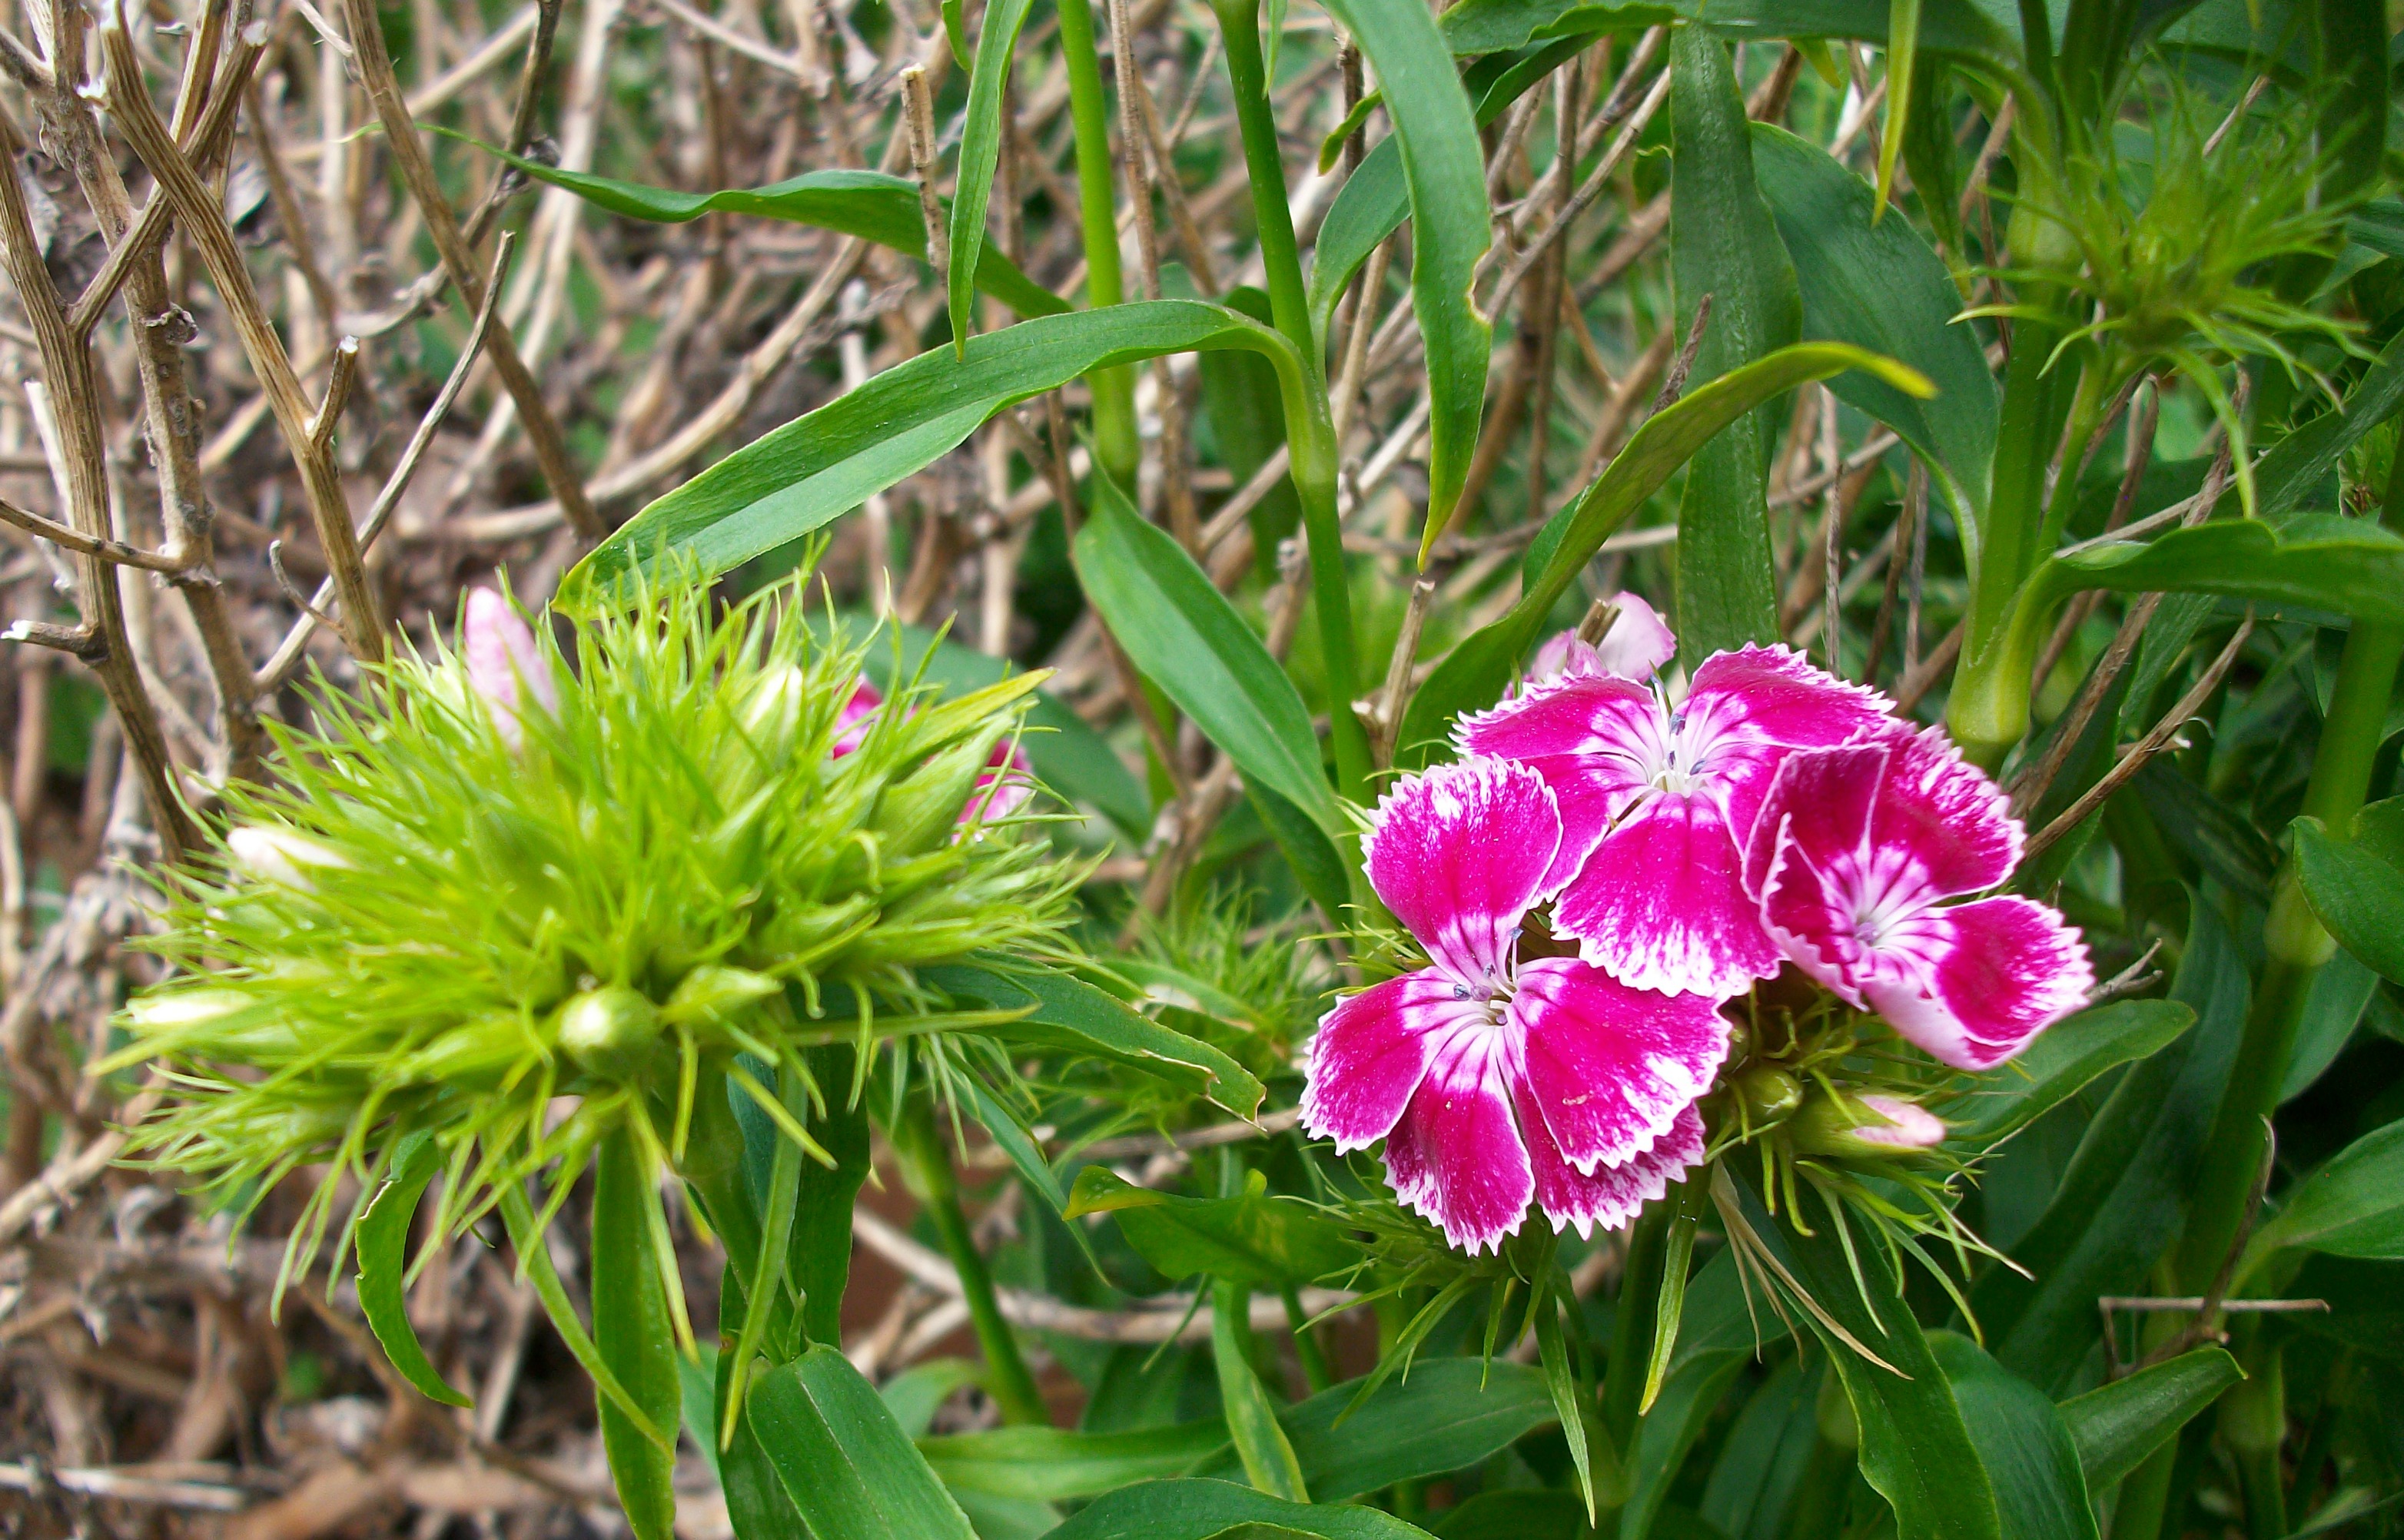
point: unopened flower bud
(1769, 1094)
(773, 708)
(1634, 647)
(503, 662)
(609, 1032)
(1867, 1125)
(281, 856)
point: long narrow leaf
(383, 1253)
(821, 466)
(1444, 166)
(1189, 641)
(981, 133)
(867, 203)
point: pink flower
(503, 661)
(1656, 801)
(1494, 1080)
(999, 793)
(1858, 850)
(1899, 1125)
(1635, 647)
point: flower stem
(1115, 443)
(926, 1172)
(1315, 1370)
(1988, 712)
(2293, 945)
(1310, 432)
(1631, 1322)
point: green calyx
(697, 823)
(613, 1031)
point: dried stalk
(417, 171)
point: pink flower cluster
(1605, 866)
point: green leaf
(1723, 242)
(382, 1243)
(1917, 1449)
(917, 1393)
(1570, 1397)
(2116, 1426)
(1186, 636)
(1516, 1513)
(1967, 29)
(1444, 166)
(868, 205)
(1304, 842)
(2299, 465)
(1474, 673)
(2062, 1062)
(1239, 392)
(697, 1395)
(1202, 1509)
(2124, 1197)
(1254, 1239)
(844, 1462)
(1261, 1445)
(2333, 1008)
(533, 1261)
(1068, 755)
(981, 133)
(1668, 1433)
(633, 1333)
(1050, 1464)
(755, 1503)
(1069, 1015)
(2317, 561)
(2358, 896)
(1901, 59)
(2023, 1442)
(818, 1257)
(1876, 283)
(1499, 26)
(820, 467)
(2352, 1206)
(1446, 1415)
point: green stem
(1988, 711)
(1315, 454)
(2293, 945)
(2254, 1424)
(1632, 1322)
(926, 1172)
(2086, 412)
(1089, 113)
(1315, 1371)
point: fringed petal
(1373, 1050)
(1609, 1196)
(1460, 854)
(1974, 984)
(1456, 1156)
(1661, 903)
(1610, 1068)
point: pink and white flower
(504, 664)
(1001, 791)
(1855, 858)
(1657, 800)
(1635, 647)
(1495, 1079)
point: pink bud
(502, 660)
(1636, 646)
(1909, 1126)
(851, 728)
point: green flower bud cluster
(430, 922)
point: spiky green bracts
(461, 903)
